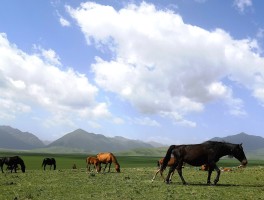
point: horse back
(196, 154)
(106, 157)
(92, 160)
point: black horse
(12, 163)
(207, 153)
(49, 161)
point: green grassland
(134, 181)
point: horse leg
(96, 168)
(109, 167)
(172, 168)
(105, 166)
(210, 170)
(171, 175)
(179, 169)
(15, 167)
(218, 171)
(156, 175)
(89, 167)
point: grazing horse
(108, 158)
(160, 163)
(207, 153)
(49, 161)
(93, 161)
(12, 163)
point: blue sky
(180, 71)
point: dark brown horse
(207, 153)
(49, 161)
(108, 158)
(12, 163)
(93, 161)
(160, 163)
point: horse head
(22, 164)
(117, 167)
(239, 154)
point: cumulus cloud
(36, 81)
(164, 66)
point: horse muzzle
(244, 162)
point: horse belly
(196, 161)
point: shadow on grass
(217, 185)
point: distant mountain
(90, 142)
(11, 138)
(250, 142)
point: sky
(170, 71)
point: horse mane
(221, 144)
(114, 159)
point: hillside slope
(11, 138)
(250, 142)
(90, 142)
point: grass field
(134, 181)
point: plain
(134, 181)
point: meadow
(134, 181)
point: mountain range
(11, 138)
(82, 141)
(249, 142)
(78, 141)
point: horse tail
(167, 157)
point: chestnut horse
(93, 161)
(160, 163)
(207, 153)
(108, 158)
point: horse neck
(226, 149)
(114, 160)
(21, 162)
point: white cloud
(242, 4)
(49, 56)
(35, 81)
(162, 65)
(64, 22)
(145, 121)
(260, 33)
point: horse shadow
(218, 185)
